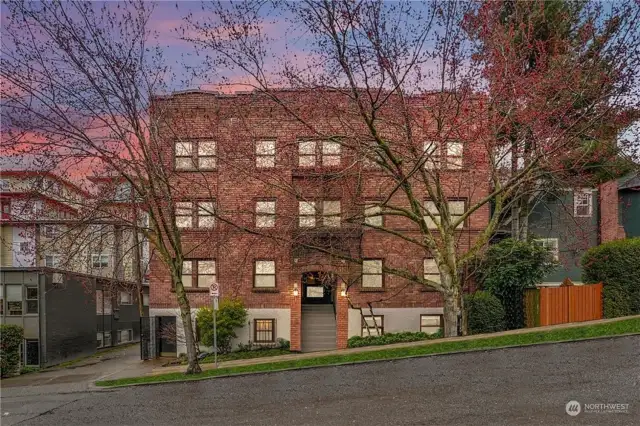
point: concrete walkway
(298, 356)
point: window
(145, 300)
(431, 153)
(331, 213)
(198, 273)
(373, 215)
(14, 299)
(373, 325)
(184, 214)
(306, 153)
(100, 342)
(203, 217)
(50, 231)
(99, 261)
(125, 298)
(330, 153)
(24, 247)
(51, 260)
(206, 218)
(265, 214)
(582, 203)
(431, 324)
(372, 273)
(32, 300)
(107, 338)
(125, 336)
(307, 214)
(454, 155)
(456, 210)
(36, 207)
(4, 185)
(265, 274)
(550, 244)
(431, 271)
(32, 352)
(103, 303)
(264, 330)
(194, 155)
(266, 154)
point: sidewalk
(298, 356)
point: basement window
(264, 330)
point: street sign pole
(214, 292)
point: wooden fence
(567, 303)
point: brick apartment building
(281, 189)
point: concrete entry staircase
(318, 328)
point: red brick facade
(235, 123)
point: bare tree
(407, 87)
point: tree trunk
(451, 297)
(185, 312)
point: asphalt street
(520, 386)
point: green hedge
(485, 313)
(388, 338)
(617, 265)
(231, 315)
(11, 337)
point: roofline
(44, 174)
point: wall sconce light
(343, 290)
(295, 289)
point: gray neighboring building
(67, 315)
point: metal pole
(215, 334)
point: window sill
(265, 290)
(372, 290)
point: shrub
(617, 265)
(388, 338)
(508, 268)
(485, 313)
(11, 337)
(231, 315)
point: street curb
(251, 373)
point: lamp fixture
(343, 290)
(295, 289)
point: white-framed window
(306, 153)
(372, 273)
(24, 247)
(126, 298)
(125, 336)
(31, 299)
(330, 153)
(184, 214)
(432, 155)
(50, 231)
(454, 155)
(145, 299)
(52, 260)
(431, 324)
(306, 214)
(456, 210)
(199, 273)
(195, 155)
(431, 271)
(550, 244)
(331, 214)
(14, 299)
(372, 325)
(266, 154)
(37, 206)
(582, 203)
(206, 214)
(265, 214)
(103, 303)
(373, 214)
(264, 274)
(99, 261)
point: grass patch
(627, 326)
